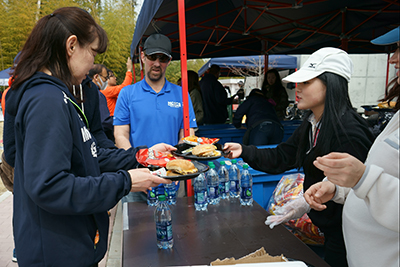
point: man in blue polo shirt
(151, 111)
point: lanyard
(80, 112)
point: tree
(118, 20)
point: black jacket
(215, 100)
(92, 112)
(257, 108)
(355, 140)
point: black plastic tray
(182, 147)
(200, 167)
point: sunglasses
(163, 58)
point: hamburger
(180, 166)
(206, 150)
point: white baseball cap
(327, 59)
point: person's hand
(162, 147)
(234, 150)
(292, 210)
(142, 180)
(341, 168)
(319, 193)
(129, 66)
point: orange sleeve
(3, 100)
(113, 91)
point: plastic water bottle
(170, 192)
(212, 185)
(152, 196)
(163, 219)
(200, 192)
(223, 181)
(246, 187)
(234, 178)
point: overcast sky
(138, 6)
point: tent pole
(387, 70)
(184, 77)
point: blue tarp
(274, 61)
(4, 76)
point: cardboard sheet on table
(266, 264)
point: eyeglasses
(163, 58)
(107, 77)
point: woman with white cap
(330, 125)
(369, 190)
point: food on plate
(150, 158)
(172, 173)
(181, 166)
(387, 104)
(194, 140)
(187, 150)
(206, 150)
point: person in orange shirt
(112, 90)
(3, 96)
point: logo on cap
(312, 65)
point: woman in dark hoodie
(63, 184)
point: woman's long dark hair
(277, 87)
(392, 93)
(337, 102)
(193, 81)
(46, 45)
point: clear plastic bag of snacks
(289, 188)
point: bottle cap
(234, 161)
(161, 197)
(245, 166)
(222, 163)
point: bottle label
(151, 195)
(171, 193)
(164, 231)
(246, 193)
(227, 187)
(222, 188)
(234, 186)
(201, 197)
(213, 192)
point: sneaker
(14, 257)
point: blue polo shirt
(153, 117)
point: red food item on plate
(194, 140)
(155, 158)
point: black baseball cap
(157, 43)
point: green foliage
(117, 17)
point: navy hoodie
(61, 196)
(93, 113)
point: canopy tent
(4, 76)
(275, 61)
(216, 28)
